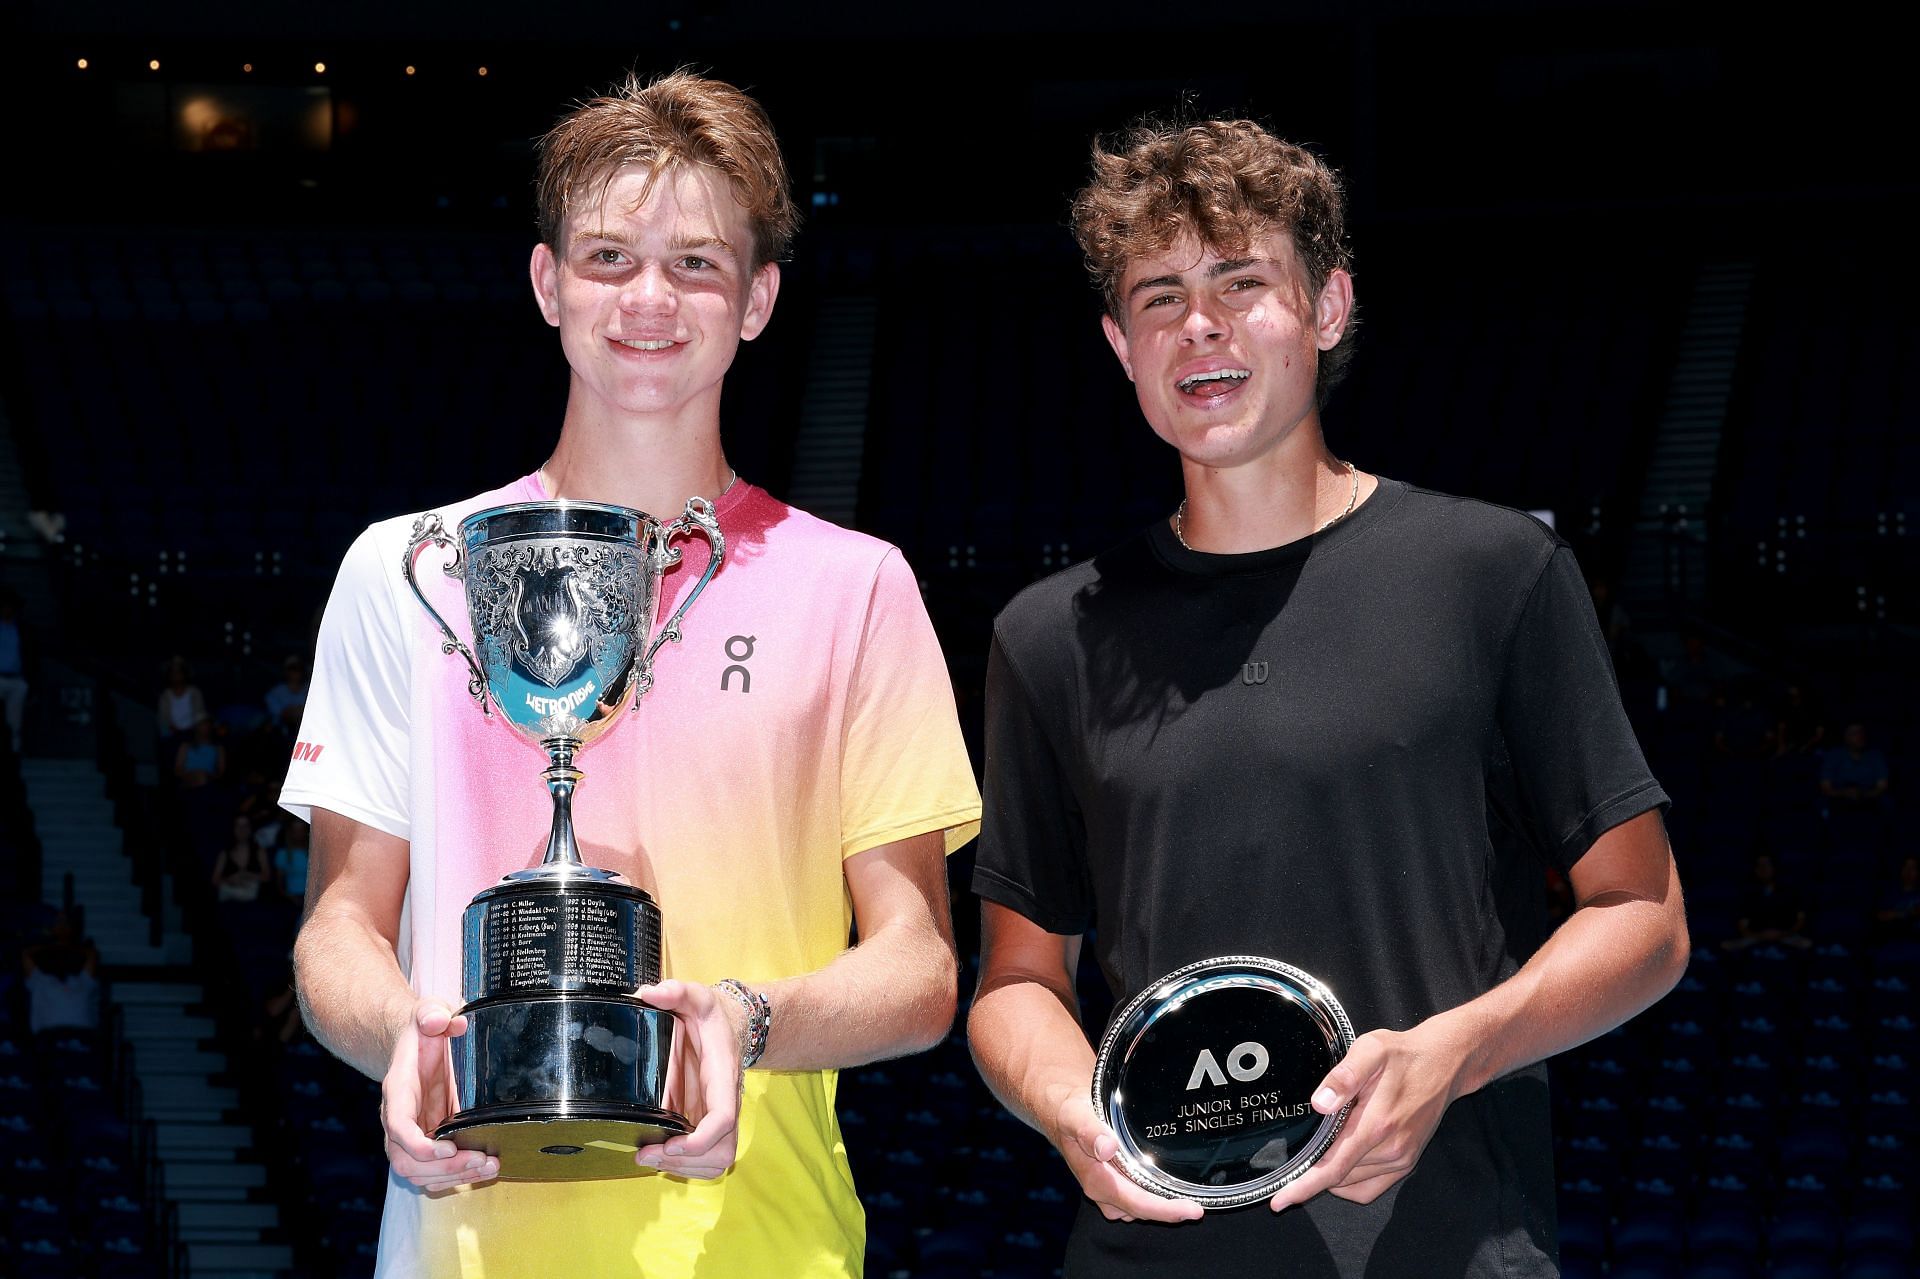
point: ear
(761, 293)
(1117, 339)
(546, 283)
(1333, 309)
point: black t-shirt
(1345, 753)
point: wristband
(759, 1019)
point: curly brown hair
(680, 118)
(1228, 182)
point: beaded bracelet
(759, 1019)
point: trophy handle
(428, 530)
(697, 519)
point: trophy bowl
(562, 1073)
(1207, 1075)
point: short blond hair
(680, 118)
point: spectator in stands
(242, 870)
(200, 761)
(63, 988)
(1799, 728)
(1692, 675)
(1898, 913)
(283, 1020)
(1769, 911)
(1854, 777)
(1615, 622)
(13, 668)
(181, 704)
(259, 801)
(1742, 728)
(290, 860)
(287, 699)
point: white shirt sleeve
(352, 758)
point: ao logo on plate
(1246, 1063)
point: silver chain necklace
(1180, 516)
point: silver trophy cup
(562, 1073)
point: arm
(359, 1005)
(889, 995)
(1623, 948)
(1028, 1043)
(345, 966)
(893, 993)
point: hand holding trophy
(563, 1072)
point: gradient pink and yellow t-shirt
(805, 717)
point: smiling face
(1222, 349)
(652, 298)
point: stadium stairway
(70, 808)
(229, 1227)
(1668, 562)
(14, 503)
(833, 413)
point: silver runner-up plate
(1207, 1078)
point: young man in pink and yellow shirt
(796, 771)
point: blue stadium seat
(1878, 1268)
(1665, 1158)
(1752, 1076)
(1878, 1232)
(1728, 1231)
(1645, 1268)
(1650, 1231)
(1804, 1232)
(1720, 1268)
(1891, 1110)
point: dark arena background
(1644, 268)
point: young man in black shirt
(1310, 716)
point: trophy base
(555, 1141)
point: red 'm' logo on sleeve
(308, 751)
